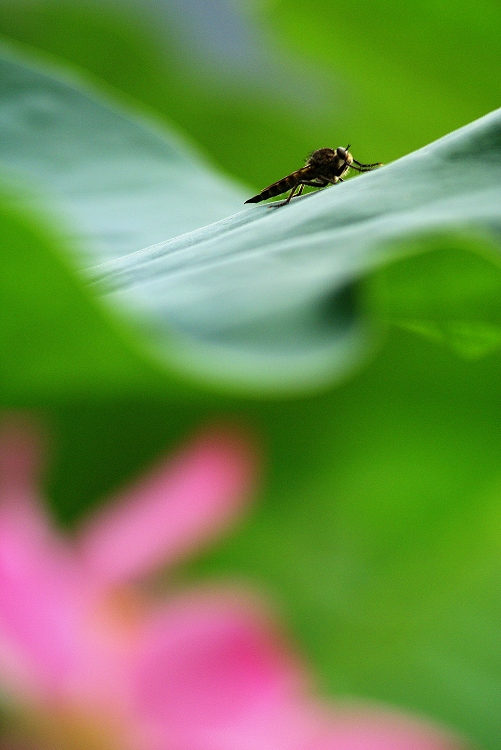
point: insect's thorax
(326, 162)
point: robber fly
(326, 166)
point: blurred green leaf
(247, 128)
(266, 299)
(387, 77)
(117, 179)
(55, 341)
(450, 294)
(411, 71)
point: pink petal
(211, 676)
(185, 501)
(36, 570)
(374, 729)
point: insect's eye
(341, 152)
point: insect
(326, 166)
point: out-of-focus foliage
(412, 71)
(115, 179)
(261, 83)
(378, 529)
(272, 303)
(449, 294)
(264, 300)
(56, 343)
(139, 48)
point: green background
(378, 526)
(388, 77)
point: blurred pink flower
(92, 663)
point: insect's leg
(291, 194)
(359, 169)
(300, 187)
(376, 164)
(329, 180)
(365, 167)
(318, 182)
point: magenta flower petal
(211, 676)
(93, 663)
(37, 583)
(163, 517)
(54, 643)
(372, 729)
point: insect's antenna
(348, 146)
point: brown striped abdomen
(277, 188)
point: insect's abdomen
(287, 183)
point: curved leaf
(55, 340)
(264, 299)
(118, 180)
(450, 294)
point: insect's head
(343, 153)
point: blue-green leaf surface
(117, 180)
(265, 298)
